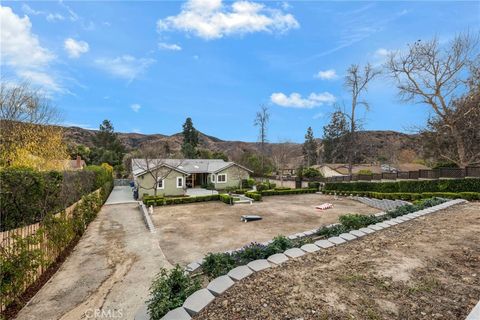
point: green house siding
(146, 182)
(235, 175)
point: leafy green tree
(189, 151)
(335, 138)
(190, 139)
(108, 148)
(80, 150)
(310, 154)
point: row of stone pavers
(203, 297)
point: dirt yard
(188, 232)
(428, 268)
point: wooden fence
(441, 173)
(8, 240)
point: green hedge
(288, 191)
(226, 198)
(254, 195)
(417, 186)
(409, 196)
(162, 201)
(28, 195)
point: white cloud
(20, 47)
(295, 100)
(75, 48)
(39, 78)
(169, 46)
(135, 107)
(330, 74)
(21, 51)
(126, 66)
(382, 53)
(210, 19)
(52, 17)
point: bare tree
(356, 82)
(436, 75)
(19, 102)
(151, 159)
(261, 121)
(282, 156)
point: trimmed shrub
(226, 198)
(162, 201)
(248, 183)
(254, 195)
(27, 195)
(311, 173)
(285, 192)
(421, 186)
(169, 290)
(314, 185)
(410, 196)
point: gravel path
(110, 269)
(428, 268)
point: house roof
(187, 166)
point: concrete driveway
(108, 273)
(121, 194)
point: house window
(160, 184)
(179, 182)
(222, 178)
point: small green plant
(169, 290)
(332, 231)
(357, 221)
(311, 173)
(217, 264)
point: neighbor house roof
(187, 166)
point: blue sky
(148, 65)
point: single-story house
(172, 177)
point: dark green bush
(226, 198)
(217, 264)
(357, 221)
(311, 173)
(27, 195)
(285, 192)
(161, 200)
(416, 186)
(254, 195)
(169, 290)
(314, 185)
(248, 183)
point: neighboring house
(174, 176)
(74, 165)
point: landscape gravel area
(427, 268)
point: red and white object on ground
(324, 206)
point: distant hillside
(373, 145)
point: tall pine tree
(190, 140)
(310, 154)
(335, 138)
